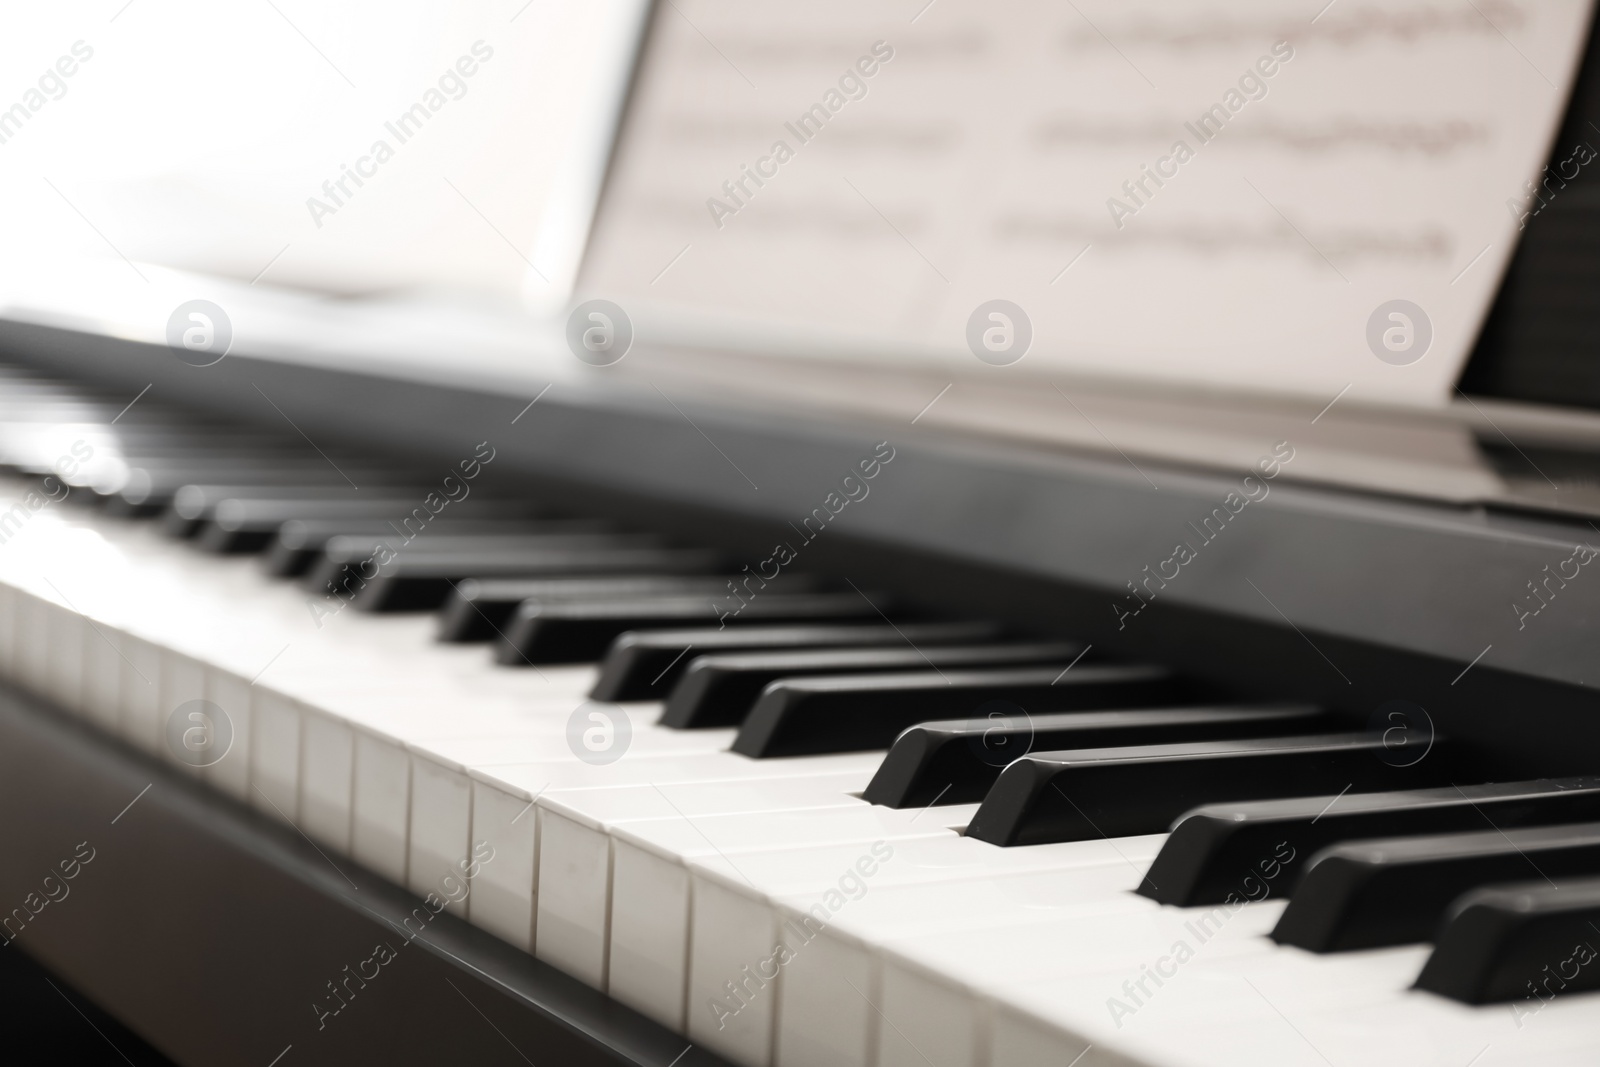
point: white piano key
(649, 934)
(66, 638)
(275, 755)
(231, 771)
(380, 806)
(570, 903)
(139, 719)
(327, 772)
(501, 898)
(33, 638)
(441, 825)
(732, 996)
(103, 671)
(8, 628)
(183, 681)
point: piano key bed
(539, 725)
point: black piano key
(479, 609)
(544, 631)
(1214, 850)
(105, 473)
(300, 543)
(193, 505)
(1526, 941)
(249, 523)
(1114, 792)
(849, 713)
(957, 760)
(1395, 890)
(418, 581)
(149, 490)
(243, 524)
(185, 451)
(224, 537)
(718, 690)
(646, 664)
(347, 557)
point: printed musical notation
(1394, 136)
(1347, 246)
(1261, 172)
(1349, 26)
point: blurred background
(456, 153)
(192, 135)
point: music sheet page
(1291, 195)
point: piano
(690, 708)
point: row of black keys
(800, 673)
(1357, 897)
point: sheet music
(1233, 193)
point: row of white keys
(831, 1001)
(1275, 1006)
(387, 747)
(659, 908)
(442, 778)
(1126, 980)
(578, 876)
(505, 818)
(1066, 961)
(830, 909)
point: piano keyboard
(825, 833)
